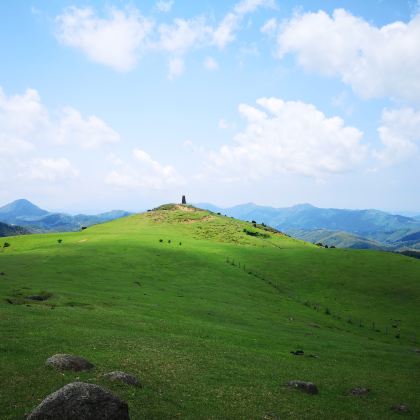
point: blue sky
(131, 104)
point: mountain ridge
(24, 213)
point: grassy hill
(358, 229)
(206, 309)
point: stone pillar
(184, 201)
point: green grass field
(208, 337)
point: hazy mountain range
(25, 214)
(371, 229)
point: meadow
(207, 315)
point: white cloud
(289, 137)
(231, 23)
(270, 27)
(89, 133)
(145, 173)
(211, 64)
(114, 41)
(176, 67)
(182, 35)
(50, 169)
(374, 61)
(164, 6)
(223, 124)
(25, 123)
(400, 135)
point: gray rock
(307, 387)
(81, 401)
(37, 297)
(68, 362)
(400, 408)
(359, 391)
(123, 377)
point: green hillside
(206, 310)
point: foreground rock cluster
(82, 401)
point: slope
(369, 226)
(165, 295)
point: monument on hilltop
(184, 201)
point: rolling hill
(35, 219)
(354, 228)
(206, 310)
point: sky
(130, 104)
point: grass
(207, 338)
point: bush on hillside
(6, 245)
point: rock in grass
(68, 362)
(81, 401)
(123, 377)
(298, 352)
(400, 408)
(359, 391)
(307, 387)
(37, 297)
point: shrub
(59, 241)
(180, 243)
(327, 311)
(6, 245)
(160, 240)
(169, 241)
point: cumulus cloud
(144, 173)
(289, 137)
(89, 133)
(183, 34)
(26, 122)
(374, 61)
(164, 6)
(400, 135)
(226, 30)
(117, 38)
(114, 40)
(50, 169)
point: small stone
(307, 387)
(37, 297)
(79, 400)
(400, 408)
(68, 362)
(123, 377)
(298, 352)
(359, 391)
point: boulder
(68, 362)
(123, 377)
(400, 408)
(359, 391)
(37, 297)
(307, 387)
(81, 401)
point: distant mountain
(24, 213)
(364, 228)
(8, 230)
(20, 210)
(336, 238)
